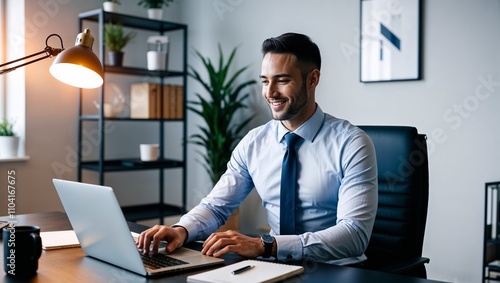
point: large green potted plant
(115, 39)
(220, 133)
(9, 142)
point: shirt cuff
(190, 228)
(289, 247)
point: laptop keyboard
(158, 261)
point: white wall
(460, 52)
(452, 104)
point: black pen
(240, 270)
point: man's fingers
(210, 242)
(151, 239)
(149, 236)
(156, 244)
(221, 243)
(218, 245)
(171, 246)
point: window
(2, 57)
(12, 85)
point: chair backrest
(403, 185)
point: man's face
(284, 89)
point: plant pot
(110, 7)
(155, 13)
(115, 58)
(8, 146)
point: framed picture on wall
(390, 40)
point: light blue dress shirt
(337, 189)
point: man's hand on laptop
(220, 243)
(174, 236)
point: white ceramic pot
(156, 60)
(155, 13)
(8, 146)
(149, 152)
(110, 7)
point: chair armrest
(405, 265)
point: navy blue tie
(288, 186)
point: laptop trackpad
(183, 252)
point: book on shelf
(150, 101)
(174, 102)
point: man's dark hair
(300, 45)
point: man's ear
(313, 78)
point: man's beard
(293, 109)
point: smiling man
(322, 207)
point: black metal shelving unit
(491, 244)
(101, 165)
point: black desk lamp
(76, 66)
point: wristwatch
(267, 241)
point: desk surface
(72, 265)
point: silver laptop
(103, 233)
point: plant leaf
(220, 134)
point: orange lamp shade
(79, 66)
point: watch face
(267, 239)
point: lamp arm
(49, 51)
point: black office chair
(403, 190)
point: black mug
(22, 247)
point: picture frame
(390, 40)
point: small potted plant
(9, 142)
(111, 5)
(155, 7)
(115, 40)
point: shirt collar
(308, 130)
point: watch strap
(268, 246)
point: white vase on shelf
(109, 6)
(155, 13)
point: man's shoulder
(339, 125)
(348, 135)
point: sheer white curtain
(12, 84)
(2, 56)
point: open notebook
(59, 240)
(258, 271)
